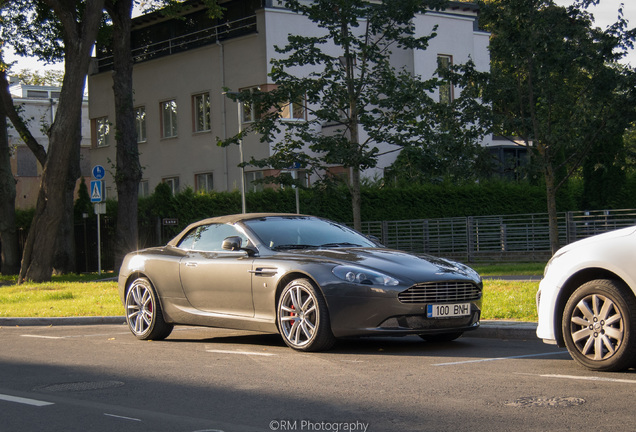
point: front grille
(440, 292)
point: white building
(38, 106)
(182, 67)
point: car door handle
(191, 264)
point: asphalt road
(100, 378)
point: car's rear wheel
(303, 318)
(599, 325)
(441, 337)
(143, 312)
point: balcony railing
(210, 35)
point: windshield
(301, 232)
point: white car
(587, 300)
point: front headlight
(363, 276)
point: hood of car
(399, 264)
(607, 237)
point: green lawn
(86, 295)
(510, 300)
(63, 297)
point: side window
(209, 238)
(189, 239)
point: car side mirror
(232, 243)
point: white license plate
(448, 310)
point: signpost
(97, 197)
(294, 169)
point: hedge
(378, 203)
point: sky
(605, 14)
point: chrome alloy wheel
(143, 312)
(139, 307)
(596, 327)
(298, 315)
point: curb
(505, 330)
(61, 321)
(487, 329)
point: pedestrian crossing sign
(96, 191)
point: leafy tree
(52, 29)
(10, 256)
(353, 87)
(604, 174)
(128, 169)
(556, 84)
(45, 78)
(456, 164)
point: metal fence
(523, 237)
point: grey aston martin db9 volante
(310, 279)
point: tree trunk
(10, 252)
(553, 221)
(64, 258)
(356, 198)
(64, 140)
(128, 173)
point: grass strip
(510, 300)
(60, 299)
(504, 300)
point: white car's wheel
(143, 312)
(599, 325)
(303, 319)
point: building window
(250, 111)
(293, 110)
(173, 182)
(444, 62)
(204, 182)
(102, 131)
(43, 94)
(250, 181)
(201, 111)
(144, 190)
(140, 123)
(169, 119)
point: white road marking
(589, 378)
(25, 401)
(42, 337)
(499, 358)
(241, 352)
(122, 417)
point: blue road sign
(98, 172)
(96, 191)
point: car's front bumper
(366, 316)
(546, 302)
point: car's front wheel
(303, 318)
(143, 312)
(599, 325)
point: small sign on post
(98, 172)
(97, 187)
(97, 197)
